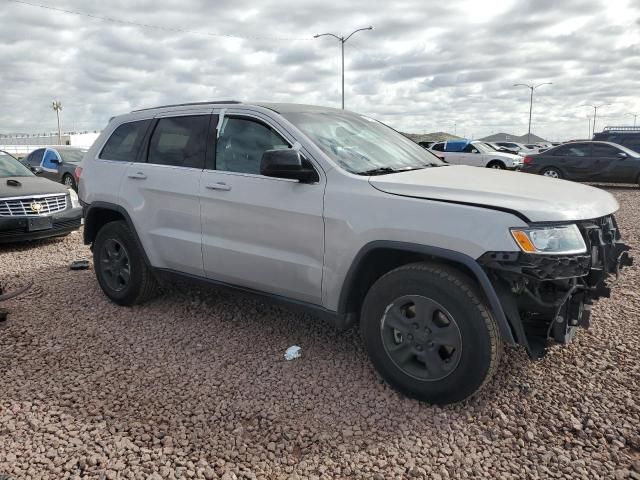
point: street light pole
(342, 41)
(532, 88)
(57, 106)
(595, 114)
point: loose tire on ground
(452, 296)
(119, 264)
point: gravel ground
(194, 385)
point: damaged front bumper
(546, 298)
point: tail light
(77, 173)
(528, 160)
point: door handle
(137, 176)
(219, 186)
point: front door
(260, 232)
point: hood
(30, 186)
(538, 198)
(509, 156)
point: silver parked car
(335, 212)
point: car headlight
(555, 240)
(75, 201)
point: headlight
(75, 201)
(563, 239)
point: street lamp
(57, 106)
(342, 40)
(595, 114)
(532, 88)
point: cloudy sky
(427, 65)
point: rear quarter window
(125, 142)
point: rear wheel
(496, 164)
(551, 172)
(428, 333)
(120, 268)
(69, 182)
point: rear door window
(438, 147)
(125, 142)
(179, 141)
(578, 150)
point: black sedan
(586, 162)
(32, 207)
(56, 163)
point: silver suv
(439, 265)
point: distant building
(20, 145)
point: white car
(336, 213)
(476, 154)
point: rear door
(161, 191)
(577, 162)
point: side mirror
(622, 155)
(287, 163)
(36, 170)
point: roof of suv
(276, 107)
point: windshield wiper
(385, 170)
(379, 171)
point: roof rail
(188, 104)
(621, 129)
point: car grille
(32, 206)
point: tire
(551, 172)
(120, 266)
(459, 314)
(69, 181)
(496, 164)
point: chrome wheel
(551, 173)
(421, 337)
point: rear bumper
(546, 298)
(14, 229)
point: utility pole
(532, 88)
(57, 106)
(595, 114)
(589, 131)
(342, 40)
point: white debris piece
(293, 352)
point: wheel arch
(98, 214)
(496, 160)
(379, 257)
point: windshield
(482, 147)
(10, 167)
(362, 145)
(72, 156)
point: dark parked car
(33, 207)
(626, 136)
(588, 162)
(58, 164)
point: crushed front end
(547, 297)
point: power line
(151, 26)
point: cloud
(424, 67)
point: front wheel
(120, 267)
(429, 334)
(551, 172)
